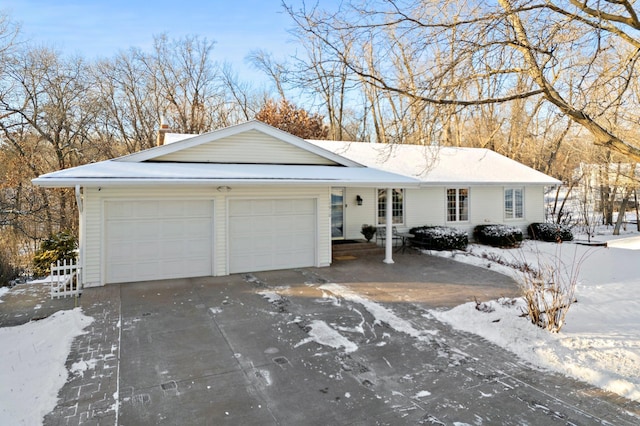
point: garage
(158, 239)
(268, 234)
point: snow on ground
(379, 312)
(3, 291)
(323, 334)
(32, 365)
(600, 342)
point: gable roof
(252, 142)
(441, 165)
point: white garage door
(158, 239)
(271, 234)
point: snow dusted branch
(549, 290)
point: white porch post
(388, 258)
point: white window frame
(457, 204)
(512, 212)
(381, 208)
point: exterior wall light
(358, 200)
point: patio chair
(381, 235)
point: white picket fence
(65, 279)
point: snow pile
(32, 365)
(600, 343)
(3, 291)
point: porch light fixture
(224, 188)
(358, 200)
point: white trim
(504, 206)
(446, 205)
(388, 249)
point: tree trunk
(621, 213)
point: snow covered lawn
(32, 365)
(600, 343)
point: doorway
(337, 213)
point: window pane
(463, 196)
(519, 204)
(451, 205)
(397, 206)
(508, 203)
(382, 205)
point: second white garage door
(158, 239)
(272, 234)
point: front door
(337, 213)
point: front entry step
(354, 249)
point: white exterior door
(158, 239)
(272, 234)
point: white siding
(252, 147)
(486, 205)
(95, 227)
(424, 207)
(534, 204)
(427, 206)
(355, 215)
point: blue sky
(100, 28)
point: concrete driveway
(351, 344)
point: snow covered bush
(439, 238)
(498, 235)
(551, 232)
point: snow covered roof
(114, 172)
(254, 159)
(440, 165)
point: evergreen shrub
(439, 238)
(552, 232)
(60, 246)
(498, 235)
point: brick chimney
(164, 128)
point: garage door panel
(146, 230)
(158, 239)
(193, 228)
(146, 209)
(271, 234)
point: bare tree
(45, 122)
(472, 54)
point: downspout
(80, 204)
(388, 258)
(78, 198)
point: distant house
(251, 198)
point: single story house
(251, 197)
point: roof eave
(425, 184)
(98, 182)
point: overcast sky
(99, 28)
